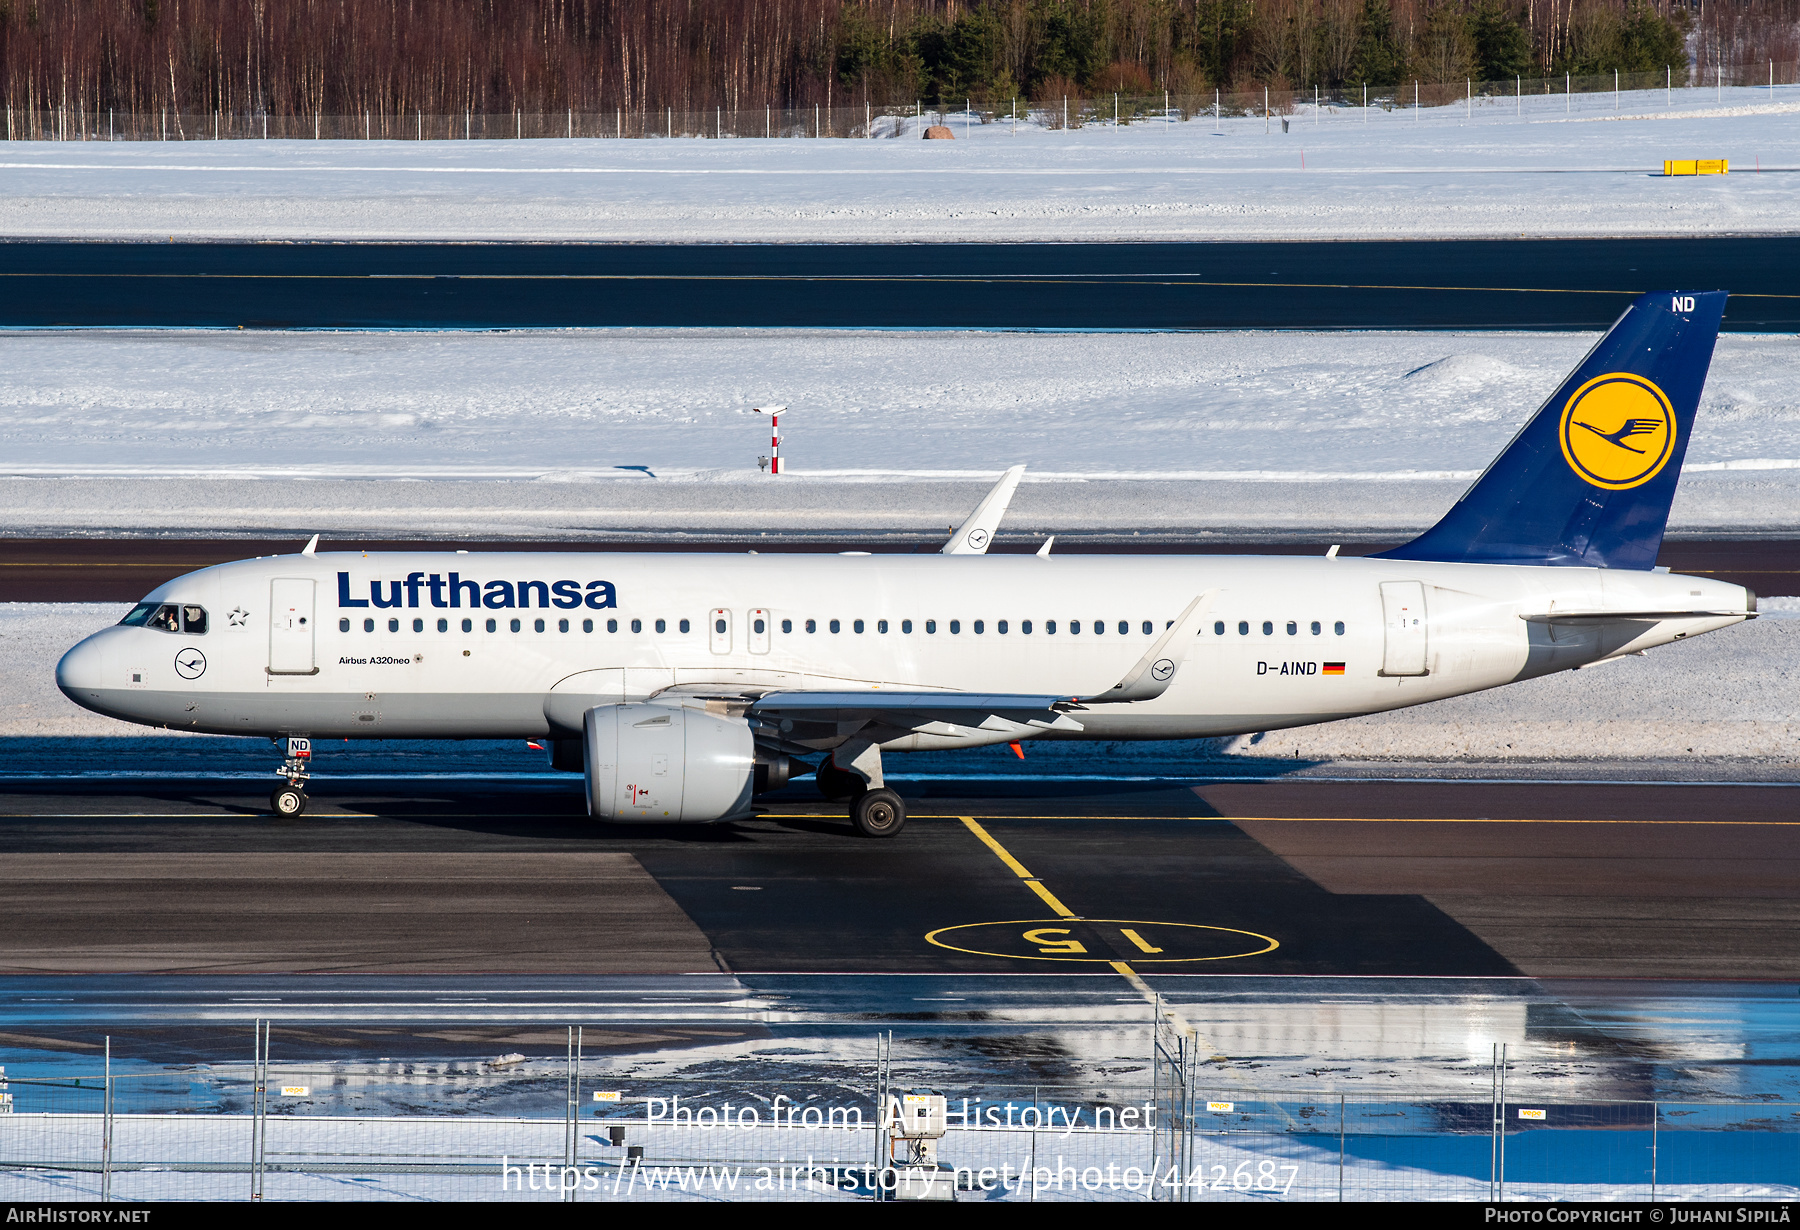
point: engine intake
(663, 764)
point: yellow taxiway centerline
(1118, 967)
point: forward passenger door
(291, 626)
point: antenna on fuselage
(311, 548)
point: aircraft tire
(287, 801)
(878, 813)
(838, 784)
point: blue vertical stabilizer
(1589, 479)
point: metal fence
(267, 1130)
(1519, 98)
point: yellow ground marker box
(1702, 166)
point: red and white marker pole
(774, 413)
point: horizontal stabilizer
(1573, 618)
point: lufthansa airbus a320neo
(684, 685)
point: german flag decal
(1334, 668)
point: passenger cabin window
(1000, 627)
(956, 627)
(1315, 627)
(492, 626)
(343, 625)
(684, 625)
(393, 625)
(834, 627)
(1293, 628)
(906, 626)
(856, 626)
(368, 625)
(1338, 627)
(787, 625)
(662, 625)
(1074, 627)
(980, 626)
(1243, 627)
(1268, 627)
(812, 625)
(880, 626)
(1049, 627)
(513, 625)
(1024, 627)
(637, 625)
(1149, 627)
(1218, 627)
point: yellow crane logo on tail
(1618, 431)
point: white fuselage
(304, 645)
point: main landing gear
(289, 798)
(875, 811)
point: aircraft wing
(977, 530)
(899, 708)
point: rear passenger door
(1403, 617)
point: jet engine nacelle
(662, 764)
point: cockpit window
(168, 617)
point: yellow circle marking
(1041, 925)
(1618, 431)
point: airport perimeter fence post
(106, 1130)
(259, 1106)
(1341, 1144)
(572, 1110)
(884, 1050)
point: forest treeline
(305, 57)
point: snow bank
(1336, 174)
(608, 431)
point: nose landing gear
(289, 798)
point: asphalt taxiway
(1294, 877)
(1385, 284)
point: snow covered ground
(1336, 174)
(604, 430)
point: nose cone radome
(82, 672)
